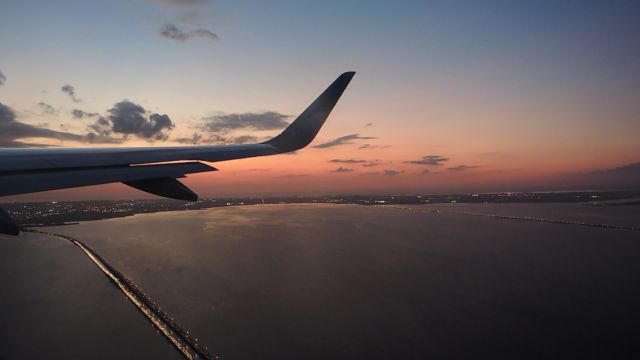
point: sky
(449, 96)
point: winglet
(305, 128)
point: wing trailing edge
(69, 178)
(165, 186)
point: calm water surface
(332, 281)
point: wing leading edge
(39, 169)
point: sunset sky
(449, 96)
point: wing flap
(166, 187)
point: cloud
(368, 124)
(3, 78)
(79, 114)
(425, 172)
(71, 91)
(102, 126)
(629, 169)
(342, 170)
(369, 146)
(198, 138)
(195, 139)
(461, 168)
(371, 164)
(171, 31)
(391, 172)
(347, 161)
(127, 118)
(11, 130)
(343, 140)
(224, 123)
(245, 139)
(46, 108)
(434, 160)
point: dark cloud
(127, 118)
(11, 130)
(343, 140)
(101, 126)
(369, 146)
(629, 169)
(461, 168)
(435, 160)
(347, 161)
(198, 138)
(195, 139)
(171, 31)
(619, 177)
(391, 172)
(79, 114)
(225, 123)
(245, 139)
(342, 170)
(19, 144)
(368, 124)
(46, 108)
(3, 78)
(71, 91)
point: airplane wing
(29, 170)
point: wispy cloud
(347, 161)
(369, 146)
(12, 130)
(343, 140)
(172, 32)
(195, 139)
(390, 172)
(629, 169)
(79, 114)
(342, 170)
(71, 91)
(198, 138)
(433, 160)
(224, 123)
(3, 78)
(46, 108)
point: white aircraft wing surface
(28, 170)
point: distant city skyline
(449, 97)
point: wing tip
(306, 126)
